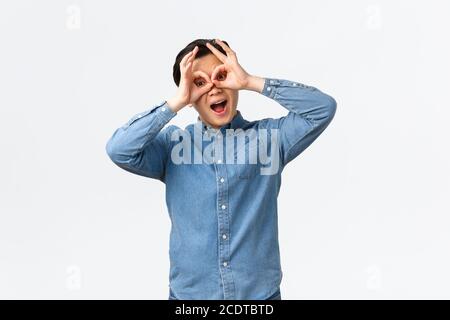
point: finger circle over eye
(217, 70)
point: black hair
(202, 51)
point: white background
(363, 212)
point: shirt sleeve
(141, 145)
(310, 112)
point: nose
(214, 90)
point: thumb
(217, 83)
(218, 70)
(206, 88)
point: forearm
(307, 101)
(175, 105)
(255, 83)
(310, 112)
(129, 140)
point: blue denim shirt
(224, 229)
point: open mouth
(219, 108)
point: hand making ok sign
(229, 74)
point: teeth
(219, 101)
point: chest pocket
(244, 170)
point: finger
(216, 71)
(216, 52)
(201, 74)
(187, 65)
(186, 71)
(186, 56)
(201, 91)
(206, 88)
(226, 48)
(189, 60)
(183, 64)
(197, 92)
(193, 53)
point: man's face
(215, 115)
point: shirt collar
(235, 123)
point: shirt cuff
(271, 86)
(165, 113)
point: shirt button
(294, 84)
(219, 161)
(225, 264)
(222, 180)
(163, 109)
(224, 236)
(224, 207)
(268, 88)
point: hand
(192, 84)
(229, 74)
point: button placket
(223, 232)
(217, 142)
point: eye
(199, 82)
(221, 76)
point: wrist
(255, 83)
(174, 104)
